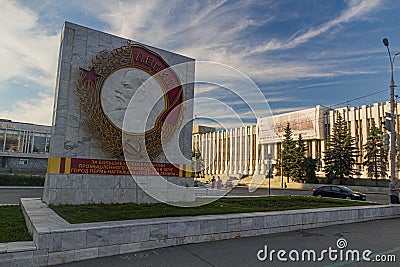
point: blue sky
(299, 53)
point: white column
(218, 156)
(273, 151)
(23, 143)
(213, 153)
(235, 170)
(32, 141)
(203, 153)
(262, 171)
(193, 143)
(269, 150)
(202, 146)
(206, 154)
(217, 159)
(19, 142)
(209, 139)
(198, 143)
(226, 153)
(322, 153)
(241, 150)
(257, 163)
(26, 141)
(251, 150)
(314, 149)
(246, 151)
(210, 157)
(275, 146)
(221, 152)
(231, 151)
(201, 138)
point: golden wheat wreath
(89, 84)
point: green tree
(298, 173)
(288, 152)
(340, 156)
(375, 157)
(310, 167)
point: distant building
(24, 147)
(200, 129)
(245, 150)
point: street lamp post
(392, 129)
(268, 171)
(281, 159)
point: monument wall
(97, 76)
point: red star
(90, 75)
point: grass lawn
(117, 212)
(12, 225)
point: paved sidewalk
(12, 195)
(377, 236)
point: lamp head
(385, 42)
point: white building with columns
(244, 150)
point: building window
(327, 131)
(12, 141)
(39, 143)
(23, 162)
(1, 140)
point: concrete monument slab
(98, 154)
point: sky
(299, 53)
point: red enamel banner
(116, 167)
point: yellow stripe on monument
(188, 171)
(54, 165)
(67, 168)
(180, 170)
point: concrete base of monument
(76, 189)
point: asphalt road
(380, 236)
(242, 191)
(12, 195)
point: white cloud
(36, 110)
(357, 9)
(318, 85)
(205, 30)
(26, 50)
(216, 31)
(27, 53)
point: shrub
(21, 180)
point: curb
(21, 187)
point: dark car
(338, 192)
